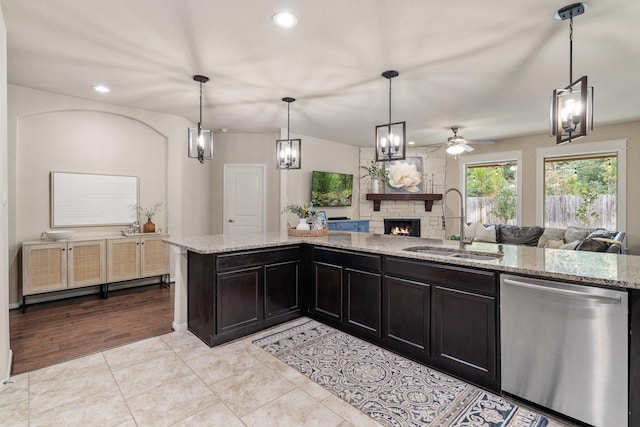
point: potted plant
(149, 226)
(303, 212)
(378, 174)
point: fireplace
(402, 226)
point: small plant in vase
(302, 212)
(378, 174)
(149, 226)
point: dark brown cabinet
(445, 316)
(407, 316)
(347, 290)
(235, 294)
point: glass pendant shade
(572, 111)
(200, 144)
(288, 153)
(455, 149)
(391, 141)
(200, 141)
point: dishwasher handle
(565, 292)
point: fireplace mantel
(428, 199)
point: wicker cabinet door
(44, 268)
(87, 263)
(123, 259)
(155, 256)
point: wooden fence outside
(559, 211)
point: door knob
(232, 220)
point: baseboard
(10, 365)
(179, 327)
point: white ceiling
(489, 66)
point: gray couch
(581, 239)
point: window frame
(489, 158)
(615, 146)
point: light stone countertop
(594, 268)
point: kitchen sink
(452, 254)
(475, 256)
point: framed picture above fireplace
(405, 176)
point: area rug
(389, 388)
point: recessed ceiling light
(285, 19)
(412, 143)
(101, 89)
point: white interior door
(244, 198)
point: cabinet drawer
(363, 226)
(347, 226)
(356, 260)
(252, 258)
(457, 277)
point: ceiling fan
(456, 144)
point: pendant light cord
(390, 103)
(199, 123)
(570, 50)
(288, 115)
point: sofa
(572, 238)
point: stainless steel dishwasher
(565, 347)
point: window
(581, 191)
(491, 192)
(580, 185)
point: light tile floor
(175, 380)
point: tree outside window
(581, 191)
(491, 193)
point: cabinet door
(123, 259)
(363, 226)
(327, 299)
(44, 268)
(154, 256)
(87, 263)
(238, 299)
(407, 315)
(464, 335)
(282, 289)
(362, 297)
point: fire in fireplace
(402, 227)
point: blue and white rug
(389, 388)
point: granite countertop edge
(589, 268)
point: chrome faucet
(462, 238)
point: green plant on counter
(149, 212)
(302, 211)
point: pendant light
(571, 107)
(391, 137)
(200, 140)
(288, 153)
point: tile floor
(174, 380)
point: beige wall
(5, 352)
(327, 156)
(50, 132)
(528, 145)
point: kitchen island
(434, 303)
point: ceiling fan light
(455, 149)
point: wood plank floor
(57, 331)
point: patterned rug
(389, 388)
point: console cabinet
(55, 266)
(235, 294)
(51, 266)
(354, 225)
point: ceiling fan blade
(466, 147)
(481, 141)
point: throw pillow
(520, 235)
(592, 245)
(551, 234)
(485, 233)
(470, 230)
(570, 245)
(574, 233)
(553, 244)
(600, 233)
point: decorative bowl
(60, 234)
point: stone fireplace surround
(433, 164)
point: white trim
(9, 365)
(502, 156)
(618, 146)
